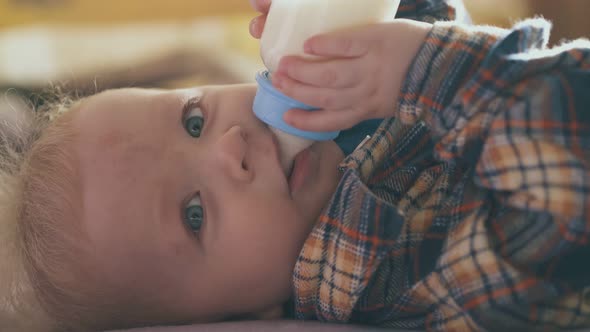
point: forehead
(119, 120)
(116, 110)
(120, 138)
(130, 168)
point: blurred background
(91, 45)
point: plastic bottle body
(291, 22)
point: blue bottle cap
(270, 104)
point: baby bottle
(288, 25)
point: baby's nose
(232, 151)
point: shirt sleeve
(517, 114)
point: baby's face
(185, 201)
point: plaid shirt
(471, 209)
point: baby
(467, 209)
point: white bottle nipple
(269, 106)
(289, 147)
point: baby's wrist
(406, 39)
(412, 35)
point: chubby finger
(342, 43)
(322, 120)
(325, 98)
(257, 26)
(332, 73)
(261, 6)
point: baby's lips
(288, 147)
(287, 166)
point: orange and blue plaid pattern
(470, 210)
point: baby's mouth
(289, 146)
(301, 170)
(289, 171)
(285, 164)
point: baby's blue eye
(193, 214)
(194, 122)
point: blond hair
(41, 257)
(20, 128)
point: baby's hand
(257, 24)
(358, 77)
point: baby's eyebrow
(189, 105)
